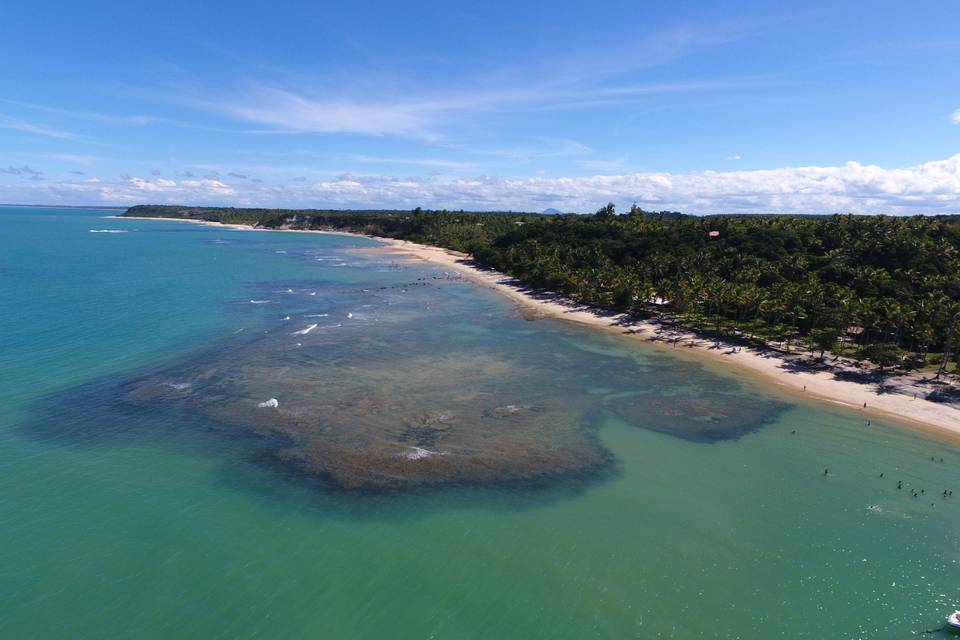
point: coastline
(787, 372)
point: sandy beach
(901, 397)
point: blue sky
(705, 107)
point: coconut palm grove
(883, 289)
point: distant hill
(552, 212)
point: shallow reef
(424, 383)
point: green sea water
(121, 520)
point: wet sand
(901, 397)
(790, 372)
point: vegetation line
(877, 288)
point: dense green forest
(882, 288)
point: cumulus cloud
(136, 188)
(955, 116)
(931, 187)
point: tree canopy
(886, 287)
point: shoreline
(788, 373)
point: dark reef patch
(384, 389)
(706, 417)
(374, 423)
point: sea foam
(304, 331)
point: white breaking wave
(108, 231)
(259, 301)
(272, 403)
(418, 453)
(317, 315)
(305, 331)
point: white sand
(897, 400)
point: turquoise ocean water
(120, 519)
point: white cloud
(168, 190)
(931, 187)
(366, 100)
(73, 158)
(955, 116)
(29, 127)
(285, 111)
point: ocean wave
(419, 453)
(259, 301)
(317, 315)
(305, 331)
(272, 403)
(108, 231)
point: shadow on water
(390, 399)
